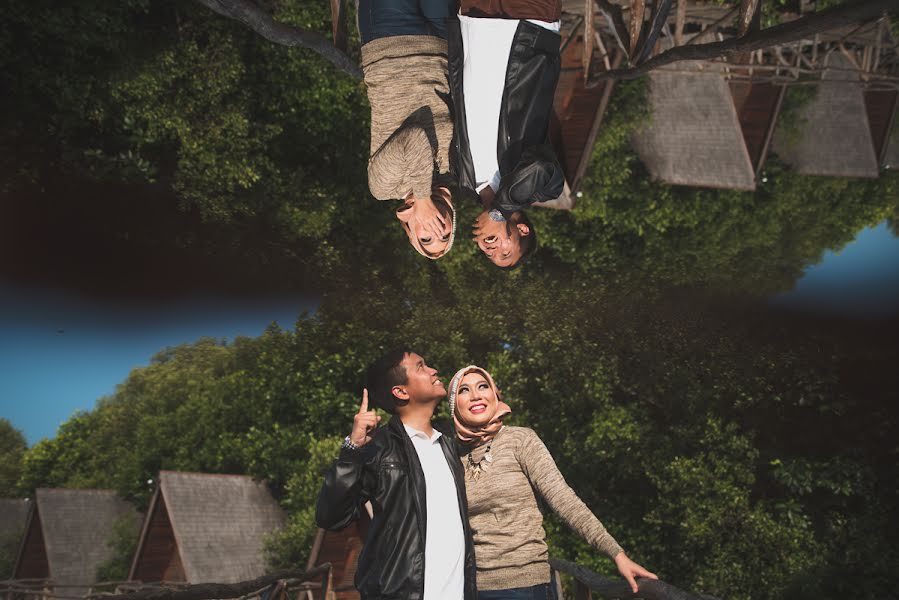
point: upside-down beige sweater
(506, 523)
(411, 127)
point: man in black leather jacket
(528, 170)
(403, 469)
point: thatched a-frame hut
(836, 138)
(204, 528)
(694, 136)
(67, 535)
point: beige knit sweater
(506, 524)
(411, 127)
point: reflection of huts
(67, 535)
(203, 528)
(577, 112)
(836, 137)
(341, 549)
(694, 135)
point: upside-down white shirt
(444, 536)
(486, 44)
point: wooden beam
(679, 22)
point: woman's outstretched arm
(541, 470)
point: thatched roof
(13, 515)
(836, 139)
(694, 136)
(219, 523)
(75, 527)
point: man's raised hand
(364, 422)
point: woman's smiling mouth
(477, 408)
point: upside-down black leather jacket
(387, 472)
(527, 163)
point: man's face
(422, 383)
(500, 241)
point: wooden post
(602, 48)
(338, 24)
(750, 12)
(636, 25)
(581, 591)
(587, 56)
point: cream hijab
(468, 433)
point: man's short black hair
(382, 375)
(527, 243)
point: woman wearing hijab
(504, 467)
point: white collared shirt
(486, 44)
(444, 537)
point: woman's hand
(629, 570)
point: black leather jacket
(387, 472)
(527, 163)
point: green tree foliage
(629, 229)
(12, 451)
(9, 552)
(169, 101)
(122, 542)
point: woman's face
(429, 221)
(475, 400)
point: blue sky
(60, 352)
(861, 280)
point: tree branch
(783, 33)
(248, 13)
(650, 589)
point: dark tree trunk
(248, 13)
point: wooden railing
(587, 583)
(314, 583)
(269, 587)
